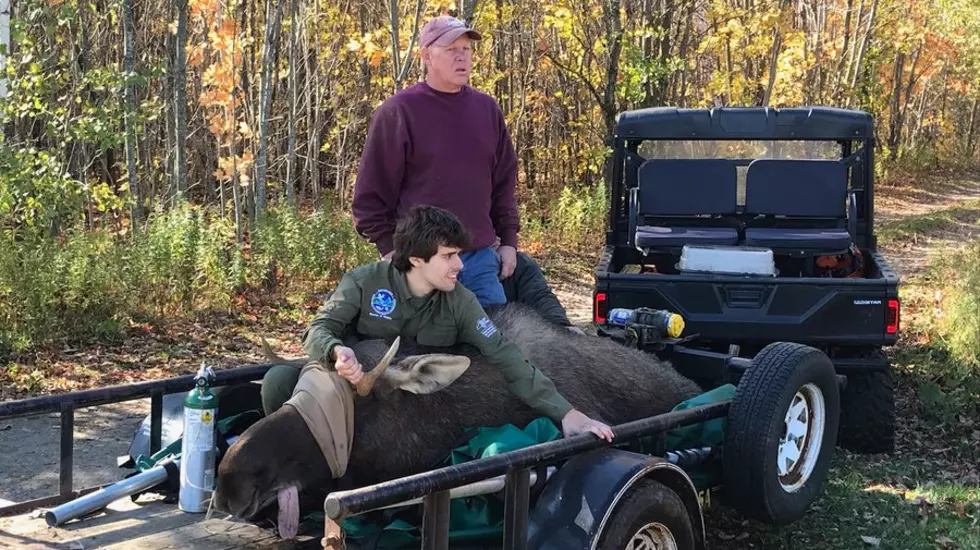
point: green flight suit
(374, 301)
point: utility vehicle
(756, 225)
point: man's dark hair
(422, 231)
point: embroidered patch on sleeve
(486, 327)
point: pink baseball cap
(444, 30)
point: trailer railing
(67, 403)
(433, 487)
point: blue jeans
(481, 275)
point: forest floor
(925, 495)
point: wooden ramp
(147, 524)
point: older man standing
(443, 143)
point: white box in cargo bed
(727, 260)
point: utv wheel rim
(653, 536)
(799, 447)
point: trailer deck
(148, 523)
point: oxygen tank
(198, 452)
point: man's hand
(347, 364)
(508, 260)
(577, 423)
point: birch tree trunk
(5, 43)
(864, 45)
(895, 124)
(130, 111)
(293, 100)
(399, 67)
(614, 40)
(777, 43)
(274, 16)
(180, 100)
(838, 78)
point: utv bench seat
(660, 237)
(803, 205)
(683, 197)
(802, 238)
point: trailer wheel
(650, 517)
(781, 433)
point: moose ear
(428, 373)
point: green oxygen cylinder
(198, 452)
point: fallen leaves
(737, 538)
(925, 508)
(150, 352)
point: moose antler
(366, 383)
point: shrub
(958, 322)
(186, 260)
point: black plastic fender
(579, 499)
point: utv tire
(868, 413)
(781, 433)
(650, 517)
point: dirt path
(29, 446)
(918, 218)
(906, 196)
(29, 449)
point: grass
(868, 501)
(867, 504)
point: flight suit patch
(486, 327)
(382, 303)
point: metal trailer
(594, 500)
(779, 439)
(67, 403)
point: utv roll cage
(852, 130)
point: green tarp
(469, 518)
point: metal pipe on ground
(98, 500)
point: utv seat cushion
(796, 188)
(657, 237)
(802, 238)
(687, 187)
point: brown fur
(397, 433)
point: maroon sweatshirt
(450, 150)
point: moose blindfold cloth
(325, 400)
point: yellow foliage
(791, 69)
